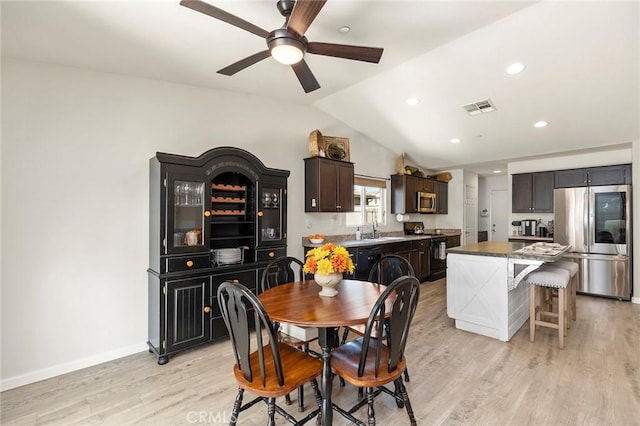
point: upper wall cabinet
(328, 185)
(607, 175)
(532, 193)
(404, 193)
(442, 197)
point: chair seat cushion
(572, 267)
(345, 359)
(298, 367)
(549, 276)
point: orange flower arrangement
(328, 259)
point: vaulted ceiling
(581, 62)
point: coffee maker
(529, 227)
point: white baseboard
(635, 300)
(56, 370)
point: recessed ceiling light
(412, 101)
(455, 140)
(497, 171)
(540, 124)
(345, 29)
(515, 68)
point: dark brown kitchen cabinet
(425, 185)
(220, 216)
(594, 176)
(328, 185)
(404, 193)
(422, 258)
(532, 192)
(453, 241)
(442, 197)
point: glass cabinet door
(270, 229)
(185, 215)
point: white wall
(75, 152)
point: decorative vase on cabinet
(210, 221)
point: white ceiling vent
(479, 107)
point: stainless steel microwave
(426, 202)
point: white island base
(478, 296)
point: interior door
(499, 215)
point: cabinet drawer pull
(207, 309)
(189, 263)
(271, 254)
(207, 213)
(260, 214)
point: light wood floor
(456, 378)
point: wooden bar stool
(572, 268)
(548, 276)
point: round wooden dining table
(299, 303)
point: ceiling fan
(288, 44)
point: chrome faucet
(373, 224)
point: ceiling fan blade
(305, 76)
(303, 14)
(244, 63)
(220, 14)
(358, 53)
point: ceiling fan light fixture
(286, 50)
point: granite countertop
(385, 239)
(488, 248)
(511, 249)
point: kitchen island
(485, 294)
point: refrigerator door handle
(586, 220)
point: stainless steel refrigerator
(596, 222)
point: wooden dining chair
(384, 271)
(371, 363)
(283, 270)
(273, 369)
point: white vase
(328, 282)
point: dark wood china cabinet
(213, 218)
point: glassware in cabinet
(186, 201)
(270, 217)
